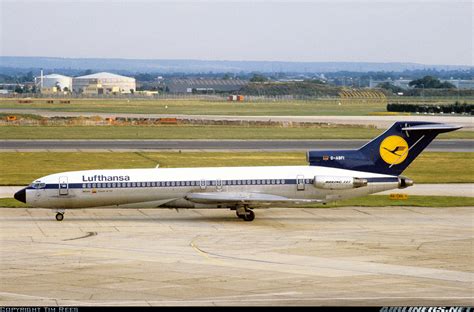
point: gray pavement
(263, 145)
(331, 256)
(381, 122)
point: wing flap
(245, 198)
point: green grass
(206, 107)
(329, 106)
(11, 203)
(432, 100)
(366, 201)
(20, 168)
(171, 132)
(413, 200)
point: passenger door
(300, 182)
(63, 186)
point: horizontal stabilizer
(433, 127)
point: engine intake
(338, 183)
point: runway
(330, 256)
(259, 145)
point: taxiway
(330, 256)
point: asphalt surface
(380, 256)
(16, 145)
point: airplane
(329, 176)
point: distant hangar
(204, 85)
(99, 83)
(103, 83)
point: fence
(223, 98)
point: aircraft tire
(249, 216)
(59, 216)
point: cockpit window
(38, 185)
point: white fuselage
(167, 188)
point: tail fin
(389, 153)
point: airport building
(103, 83)
(204, 85)
(53, 83)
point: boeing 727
(329, 176)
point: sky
(419, 31)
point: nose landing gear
(60, 215)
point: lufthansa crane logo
(394, 150)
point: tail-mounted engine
(404, 182)
(338, 183)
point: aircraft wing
(245, 198)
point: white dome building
(54, 80)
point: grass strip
(168, 132)
(21, 168)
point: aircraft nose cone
(21, 196)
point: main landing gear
(245, 213)
(60, 215)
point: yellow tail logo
(394, 150)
